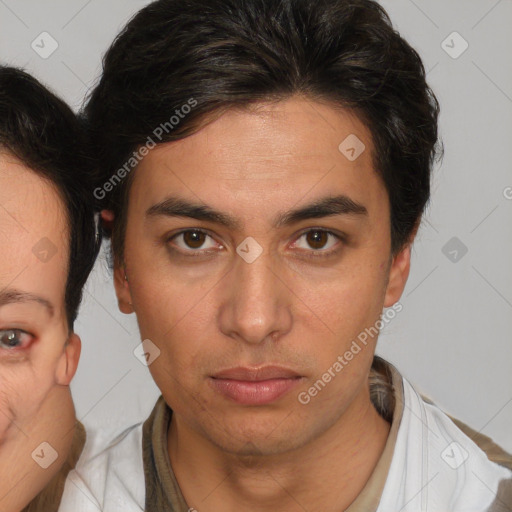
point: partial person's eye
(193, 240)
(320, 240)
(11, 339)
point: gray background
(453, 337)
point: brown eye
(194, 239)
(318, 242)
(317, 239)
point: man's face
(33, 271)
(219, 310)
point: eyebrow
(325, 207)
(12, 296)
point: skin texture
(35, 401)
(213, 312)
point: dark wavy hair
(232, 53)
(42, 131)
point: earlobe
(398, 274)
(124, 297)
(107, 219)
(68, 362)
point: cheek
(16, 400)
(182, 323)
(346, 302)
(22, 393)
(186, 338)
(357, 306)
(166, 302)
(6, 413)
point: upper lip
(256, 374)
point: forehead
(270, 154)
(34, 232)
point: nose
(256, 304)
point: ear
(68, 360)
(398, 274)
(399, 271)
(124, 296)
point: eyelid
(319, 253)
(329, 231)
(191, 252)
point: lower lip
(254, 392)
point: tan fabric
(49, 499)
(503, 500)
(162, 489)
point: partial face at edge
(33, 329)
(316, 285)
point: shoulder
(436, 466)
(493, 451)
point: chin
(256, 440)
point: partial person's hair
(42, 132)
(225, 54)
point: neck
(326, 474)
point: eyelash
(19, 332)
(312, 254)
